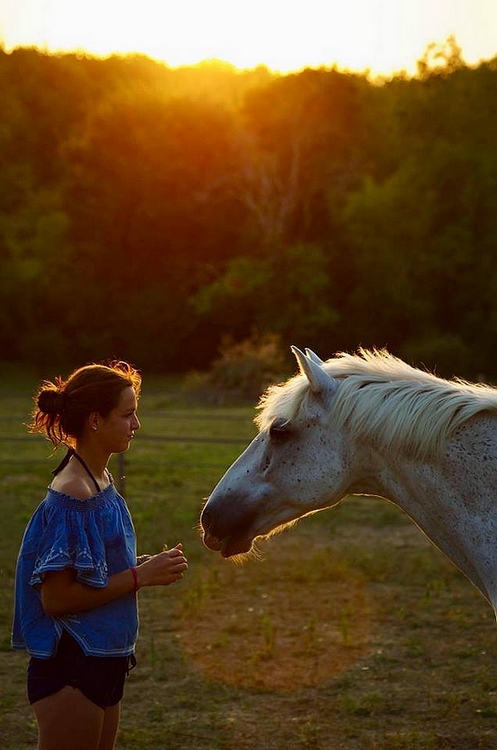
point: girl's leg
(67, 720)
(110, 726)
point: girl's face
(117, 429)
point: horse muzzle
(228, 547)
(220, 534)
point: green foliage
(147, 212)
(286, 293)
(440, 59)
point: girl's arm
(62, 594)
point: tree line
(147, 212)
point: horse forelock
(281, 401)
(384, 398)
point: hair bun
(51, 401)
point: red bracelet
(135, 580)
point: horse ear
(318, 378)
(312, 355)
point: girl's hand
(162, 569)
(142, 558)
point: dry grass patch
(295, 619)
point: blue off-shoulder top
(95, 537)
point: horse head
(294, 466)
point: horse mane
(404, 408)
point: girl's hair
(62, 407)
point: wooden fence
(122, 461)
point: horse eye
(279, 429)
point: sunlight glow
(380, 35)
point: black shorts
(99, 678)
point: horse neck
(451, 500)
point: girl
(77, 573)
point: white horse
(369, 424)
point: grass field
(350, 633)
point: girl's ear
(93, 420)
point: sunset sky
(380, 35)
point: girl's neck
(95, 461)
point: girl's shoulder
(65, 498)
(71, 485)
